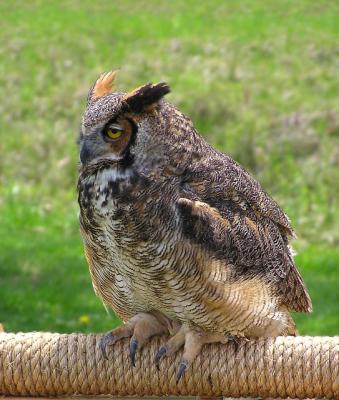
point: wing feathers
(254, 246)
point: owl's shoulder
(217, 178)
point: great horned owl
(179, 238)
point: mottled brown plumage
(179, 238)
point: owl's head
(136, 127)
(115, 124)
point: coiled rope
(51, 364)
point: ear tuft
(103, 85)
(141, 98)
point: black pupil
(115, 130)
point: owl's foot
(192, 341)
(171, 347)
(139, 328)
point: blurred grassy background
(258, 78)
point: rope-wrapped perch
(51, 364)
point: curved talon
(161, 352)
(182, 368)
(133, 346)
(235, 341)
(105, 341)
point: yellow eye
(114, 132)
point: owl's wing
(227, 212)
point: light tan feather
(104, 84)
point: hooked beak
(86, 155)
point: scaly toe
(139, 328)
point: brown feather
(145, 96)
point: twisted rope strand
(51, 364)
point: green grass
(258, 78)
(44, 283)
